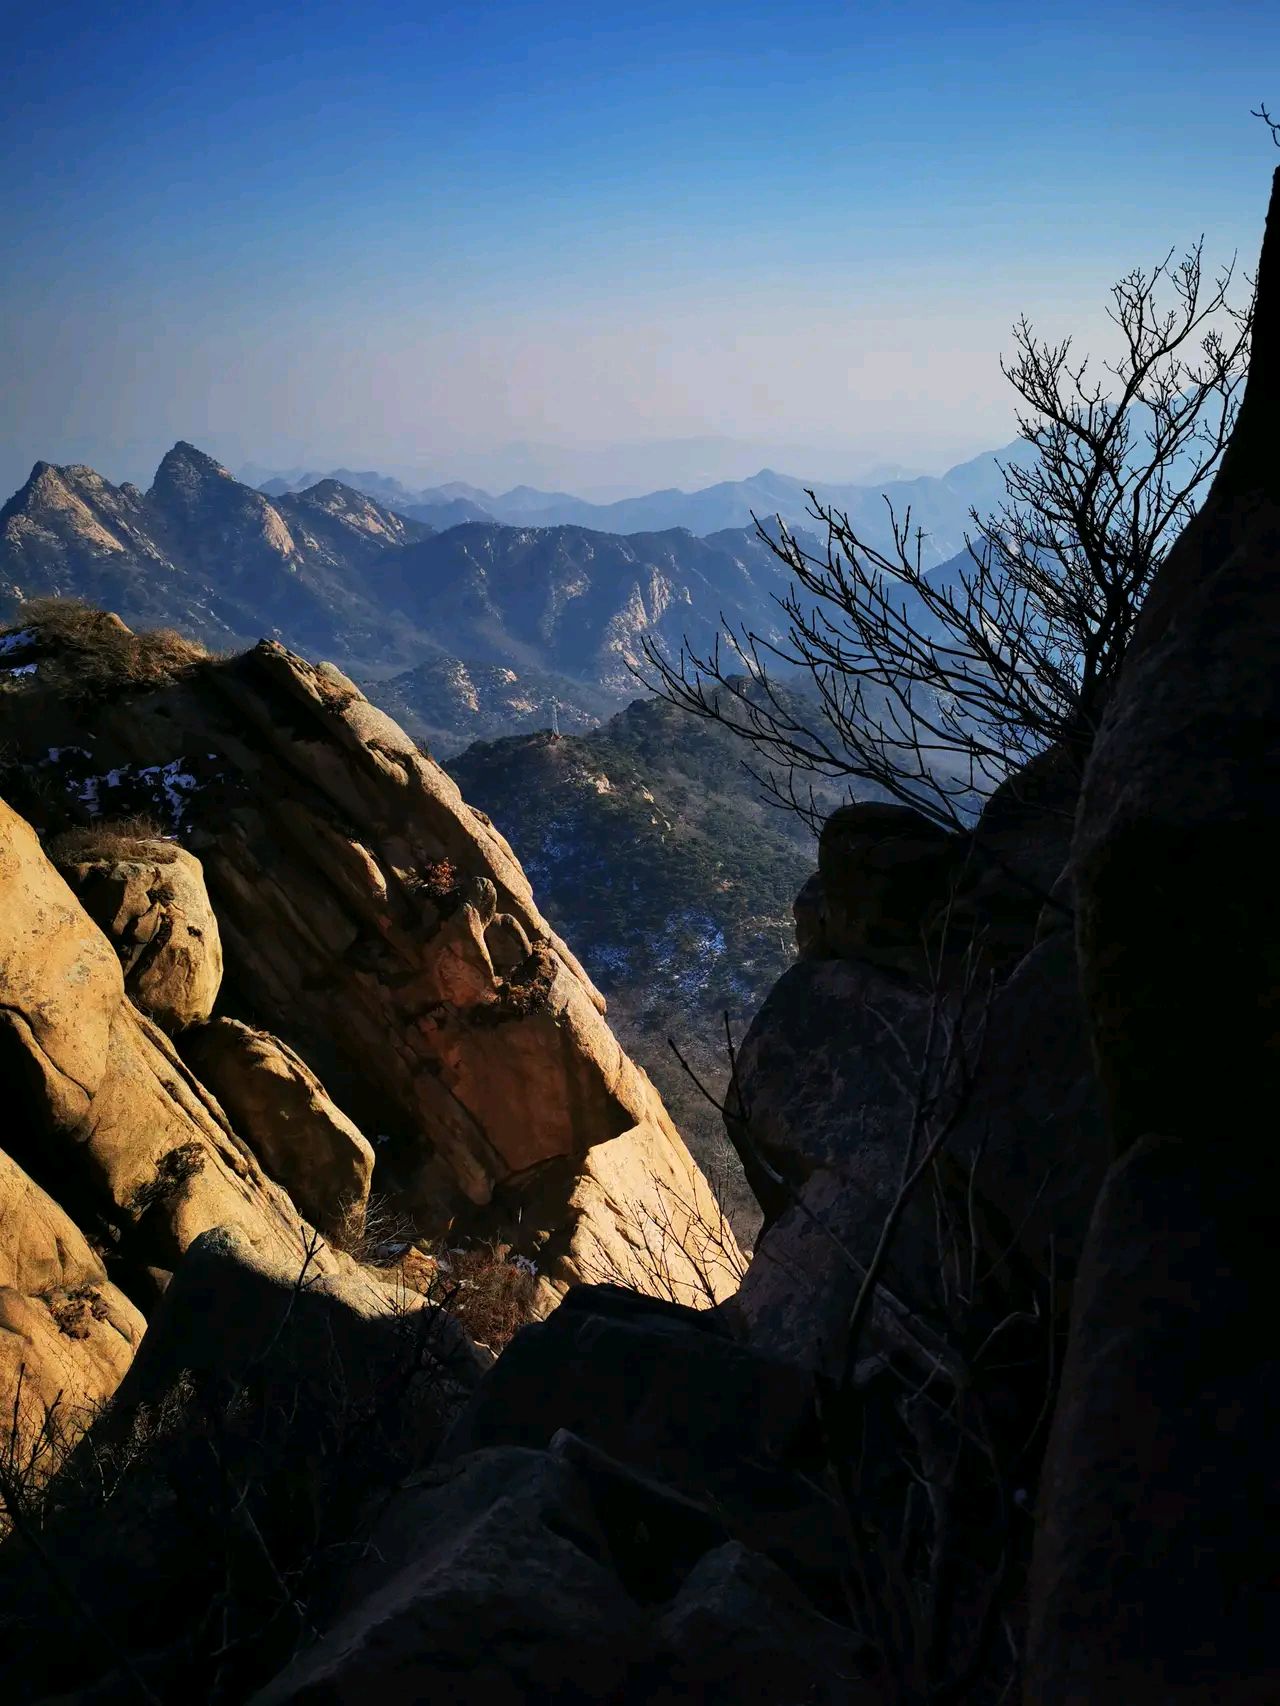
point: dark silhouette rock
(497, 1592)
(738, 1631)
(896, 890)
(672, 1399)
(884, 869)
(257, 1388)
(826, 1082)
(1153, 1576)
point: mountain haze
(939, 504)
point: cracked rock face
(387, 933)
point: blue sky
(406, 236)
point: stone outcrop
(621, 1512)
(501, 1586)
(149, 899)
(826, 1087)
(253, 1375)
(387, 935)
(278, 1105)
(103, 1114)
(885, 871)
(1151, 1578)
(896, 890)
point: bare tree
(933, 689)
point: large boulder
(1011, 889)
(823, 1113)
(669, 1395)
(885, 870)
(232, 1305)
(1152, 1581)
(493, 1576)
(1153, 1576)
(894, 889)
(104, 1115)
(278, 1105)
(62, 984)
(738, 1630)
(496, 1592)
(824, 1084)
(149, 899)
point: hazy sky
(404, 236)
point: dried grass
(91, 654)
(110, 839)
(494, 1296)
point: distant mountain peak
(185, 463)
(324, 491)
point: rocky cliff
(395, 1019)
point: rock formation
(149, 898)
(387, 936)
(67, 1335)
(1152, 1579)
(104, 1114)
(1008, 1104)
(281, 1109)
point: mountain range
(423, 617)
(940, 505)
(603, 471)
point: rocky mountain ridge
(417, 615)
(989, 1414)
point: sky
(610, 246)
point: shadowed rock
(1153, 1578)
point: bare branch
(932, 690)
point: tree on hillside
(933, 687)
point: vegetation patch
(175, 1169)
(73, 1311)
(438, 879)
(110, 839)
(492, 1292)
(90, 654)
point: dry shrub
(109, 839)
(438, 878)
(374, 1232)
(680, 1247)
(36, 1439)
(491, 1295)
(175, 1168)
(73, 1310)
(90, 654)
